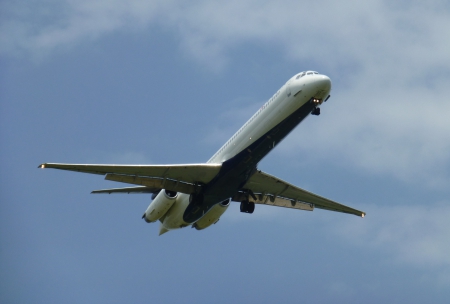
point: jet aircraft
(197, 195)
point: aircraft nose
(323, 83)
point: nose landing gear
(316, 102)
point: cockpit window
(315, 73)
(300, 75)
(309, 73)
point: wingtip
(363, 214)
(41, 166)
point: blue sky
(168, 82)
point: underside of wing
(179, 178)
(267, 189)
(272, 200)
(128, 190)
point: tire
(244, 206)
(250, 207)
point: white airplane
(198, 194)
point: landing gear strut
(247, 207)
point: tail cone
(162, 230)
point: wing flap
(154, 183)
(273, 201)
(268, 185)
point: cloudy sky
(96, 81)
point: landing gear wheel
(247, 207)
(251, 207)
(244, 205)
(316, 111)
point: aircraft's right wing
(188, 172)
(128, 190)
(270, 190)
(184, 178)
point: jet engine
(212, 216)
(160, 205)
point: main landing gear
(247, 207)
(315, 111)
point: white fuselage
(290, 97)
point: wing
(179, 178)
(267, 189)
(128, 190)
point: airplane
(197, 195)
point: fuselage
(239, 156)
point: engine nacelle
(160, 205)
(212, 216)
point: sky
(167, 82)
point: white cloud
(415, 235)
(40, 27)
(372, 33)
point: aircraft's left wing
(263, 188)
(179, 178)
